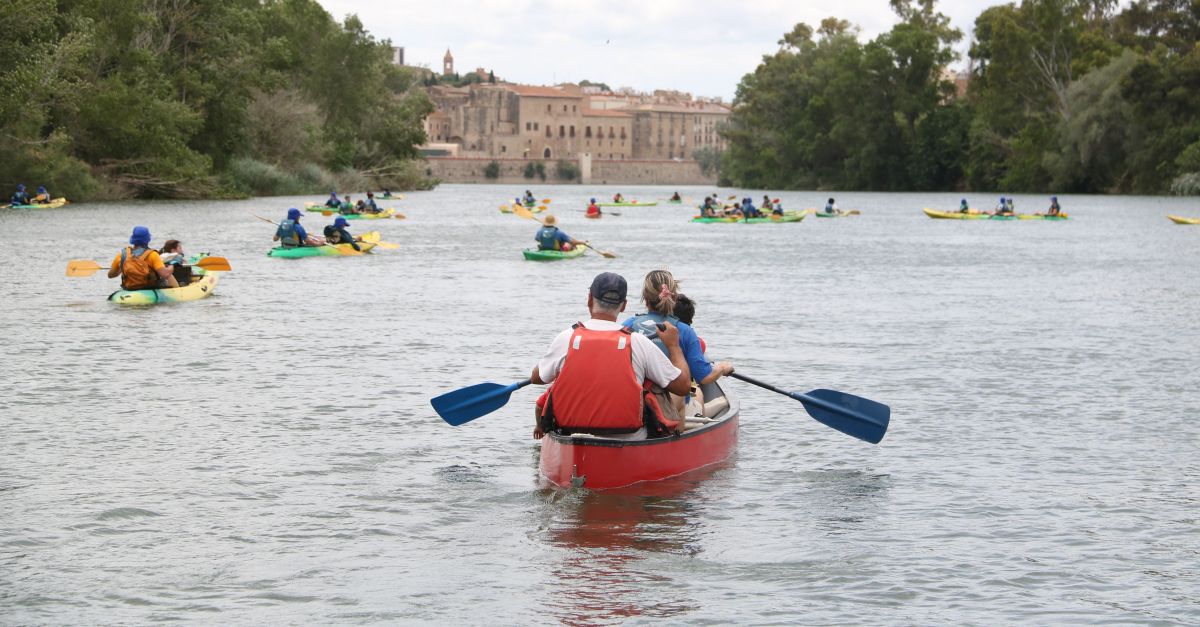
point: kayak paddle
(373, 238)
(467, 404)
(853, 415)
(607, 213)
(87, 267)
(525, 213)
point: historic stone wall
(617, 172)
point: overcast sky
(700, 46)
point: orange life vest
(597, 391)
(136, 271)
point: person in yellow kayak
(709, 208)
(530, 201)
(1055, 208)
(831, 208)
(20, 197)
(139, 266)
(337, 233)
(1002, 209)
(371, 207)
(173, 257)
(42, 195)
(550, 237)
(964, 206)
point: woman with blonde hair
(660, 291)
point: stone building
(565, 122)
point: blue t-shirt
(689, 343)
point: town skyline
(620, 43)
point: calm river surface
(269, 455)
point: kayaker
(709, 208)
(831, 207)
(1012, 209)
(676, 198)
(748, 209)
(1001, 208)
(337, 233)
(20, 197)
(529, 199)
(291, 234)
(387, 193)
(685, 310)
(348, 207)
(1055, 209)
(333, 202)
(963, 207)
(617, 198)
(370, 205)
(172, 255)
(600, 371)
(594, 209)
(659, 293)
(139, 266)
(550, 237)
(767, 205)
(42, 196)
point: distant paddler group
(295, 241)
(360, 210)
(41, 200)
(1004, 210)
(713, 211)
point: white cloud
(701, 46)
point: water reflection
(612, 547)
(843, 501)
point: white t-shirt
(648, 361)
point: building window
(503, 148)
(528, 126)
(611, 132)
(546, 153)
(587, 132)
(547, 108)
(572, 131)
(547, 131)
(622, 133)
(562, 131)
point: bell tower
(447, 63)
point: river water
(269, 455)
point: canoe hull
(53, 204)
(202, 288)
(532, 254)
(601, 464)
(954, 215)
(1183, 220)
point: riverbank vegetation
(1063, 96)
(185, 99)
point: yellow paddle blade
(371, 237)
(326, 212)
(732, 197)
(400, 216)
(546, 201)
(82, 267)
(386, 245)
(524, 212)
(854, 212)
(214, 264)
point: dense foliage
(1064, 95)
(185, 98)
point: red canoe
(600, 463)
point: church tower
(448, 63)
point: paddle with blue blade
(853, 415)
(467, 404)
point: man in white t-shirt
(603, 367)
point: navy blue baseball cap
(609, 287)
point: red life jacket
(597, 391)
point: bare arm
(536, 378)
(670, 338)
(165, 274)
(720, 369)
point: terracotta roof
(666, 108)
(604, 113)
(541, 92)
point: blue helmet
(1054, 198)
(20, 187)
(340, 222)
(593, 200)
(963, 200)
(140, 236)
(41, 189)
(333, 194)
(293, 214)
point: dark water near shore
(268, 455)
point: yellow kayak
(1183, 220)
(509, 209)
(201, 287)
(53, 204)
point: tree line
(1063, 96)
(190, 98)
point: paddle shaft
(804, 398)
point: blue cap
(609, 287)
(963, 200)
(140, 237)
(340, 222)
(1054, 198)
(293, 214)
(20, 187)
(334, 194)
(42, 188)
(593, 200)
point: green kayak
(319, 251)
(533, 254)
(793, 216)
(633, 203)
